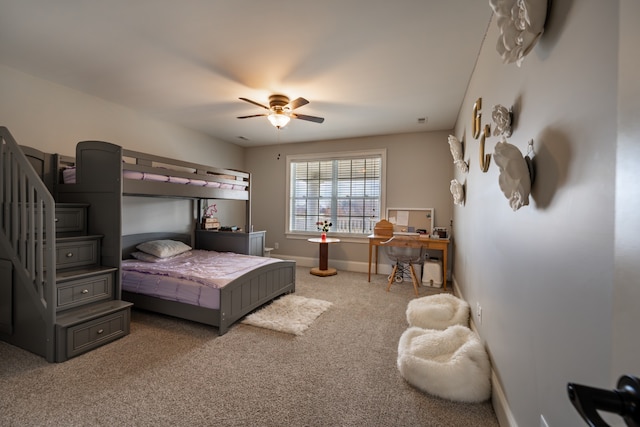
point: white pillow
(163, 248)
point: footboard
(256, 288)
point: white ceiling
(369, 67)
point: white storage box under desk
(432, 273)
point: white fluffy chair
(451, 364)
(438, 311)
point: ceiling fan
(281, 110)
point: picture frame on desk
(411, 219)
(440, 233)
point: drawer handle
(57, 219)
(85, 291)
(100, 331)
(69, 254)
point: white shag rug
(291, 314)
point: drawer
(76, 253)
(86, 336)
(70, 219)
(81, 291)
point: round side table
(324, 270)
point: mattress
(194, 277)
(69, 177)
(171, 288)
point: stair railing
(28, 215)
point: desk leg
(444, 268)
(369, 262)
(324, 269)
(377, 258)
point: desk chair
(404, 253)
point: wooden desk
(323, 269)
(425, 242)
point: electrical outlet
(276, 245)
(479, 313)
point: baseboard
(355, 266)
(500, 404)
(358, 267)
(498, 398)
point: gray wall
(419, 169)
(54, 119)
(626, 346)
(544, 275)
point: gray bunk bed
(105, 173)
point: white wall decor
(457, 153)
(514, 179)
(502, 117)
(457, 191)
(521, 23)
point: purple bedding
(194, 277)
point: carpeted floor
(169, 372)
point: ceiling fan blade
(255, 103)
(308, 118)
(299, 102)
(253, 115)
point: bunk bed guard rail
(28, 213)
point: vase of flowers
(323, 226)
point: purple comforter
(208, 268)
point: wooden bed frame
(30, 313)
(98, 162)
(237, 298)
(100, 183)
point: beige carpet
(292, 314)
(169, 372)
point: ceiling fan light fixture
(280, 110)
(278, 119)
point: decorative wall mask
(457, 153)
(457, 190)
(521, 23)
(515, 178)
(502, 119)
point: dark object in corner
(624, 401)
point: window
(345, 189)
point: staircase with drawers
(87, 315)
(59, 280)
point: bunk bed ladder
(28, 213)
